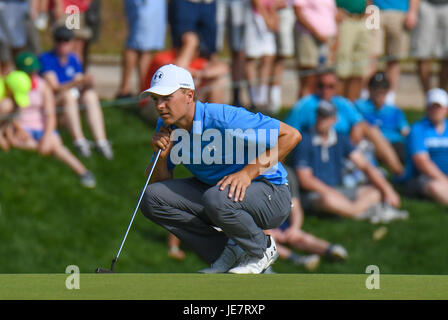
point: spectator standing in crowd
(319, 162)
(285, 49)
(230, 17)
(316, 32)
(349, 120)
(427, 163)
(430, 40)
(64, 73)
(259, 41)
(353, 45)
(397, 17)
(146, 33)
(13, 35)
(38, 119)
(193, 25)
(390, 119)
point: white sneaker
(253, 265)
(105, 149)
(388, 214)
(82, 146)
(310, 263)
(230, 256)
(337, 252)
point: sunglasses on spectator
(326, 85)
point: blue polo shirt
(223, 140)
(399, 5)
(303, 114)
(389, 119)
(326, 160)
(65, 73)
(423, 138)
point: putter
(111, 270)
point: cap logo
(158, 76)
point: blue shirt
(400, 5)
(424, 138)
(325, 159)
(389, 119)
(303, 114)
(223, 140)
(65, 73)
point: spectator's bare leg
(308, 242)
(443, 75)
(424, 74)
(266, 68)
(173, 247)
(214, 74)
(238, 62)
(251, 76)
(353, 88)
(94, 113)
(308, 82)
(393, 74)
(63, 154)
(384, 149)
(190, 44)
(130, 58)
(437, 190)
(72, 115)
(336, 203)
(144, 61)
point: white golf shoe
(253, 265)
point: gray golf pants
(189, 209)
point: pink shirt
(32, 117)
(321, 14)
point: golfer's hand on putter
(161, 140)
(238, 183)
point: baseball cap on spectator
(379, 81)
(326, 109)
(63, 34)
(27, 62)
(437, 96)
(19, 83)
(167, 79)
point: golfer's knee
(151, 200)
(216, 203)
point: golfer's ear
(190, 94)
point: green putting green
(221, 287)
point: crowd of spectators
(358, 147)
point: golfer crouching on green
(239, 186)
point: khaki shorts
(308, 50)
(391, 39)
(352, 55)
(430, 36)
(285, 35)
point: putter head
(101, 270)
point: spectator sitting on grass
(64, 74)
(38, 120)
(388, 118)
(6, 109)
(427, 162)
(290, 233)
(318, 162)
(348, 121)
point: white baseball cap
(438, 96)
(167, 79)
